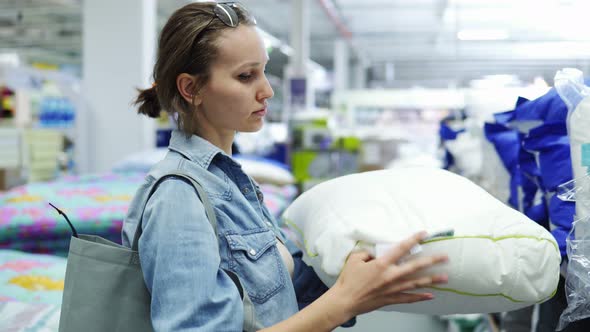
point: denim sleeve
(307, 284)
(181, 265)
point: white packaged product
(499, 260)
(569, 83)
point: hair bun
(148, 102)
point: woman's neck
(220, 140)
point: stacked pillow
(265, 170)
(499, 259)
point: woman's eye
(245, 77)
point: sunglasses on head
(226, 13)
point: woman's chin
(254, 127)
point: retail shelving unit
(50, 139)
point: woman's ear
(187, 86)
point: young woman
(210, 75)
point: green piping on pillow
(298, 230)
(473, 294)
(494, 239)
(452, 290)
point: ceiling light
(483, 34)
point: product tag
(382, 248)
(440, 234)
(586, 154)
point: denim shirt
(183, 264)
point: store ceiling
(421, 40)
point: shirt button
(269, 224)
(252, 252)
(260, 196)
(245, 190)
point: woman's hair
(187, 44)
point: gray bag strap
(200, 192)
(250, 322)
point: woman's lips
(261, 112)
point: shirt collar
(194, 148)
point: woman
(210, 75)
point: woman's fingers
(403, 248)
(374, 282)
(409, 298)
(415, 265)
(421, 282)
(360, 255)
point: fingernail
(429, 296)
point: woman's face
(234, 98)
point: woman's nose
(266, 91)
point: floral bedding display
(31, 287)
(31, 284)
(95, 204)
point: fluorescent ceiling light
(483, 34)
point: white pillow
(499, 260)
(264, 170)
(141, 161)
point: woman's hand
(368, 283)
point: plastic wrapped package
(577, 282)
(569, 83)
(577, 190)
